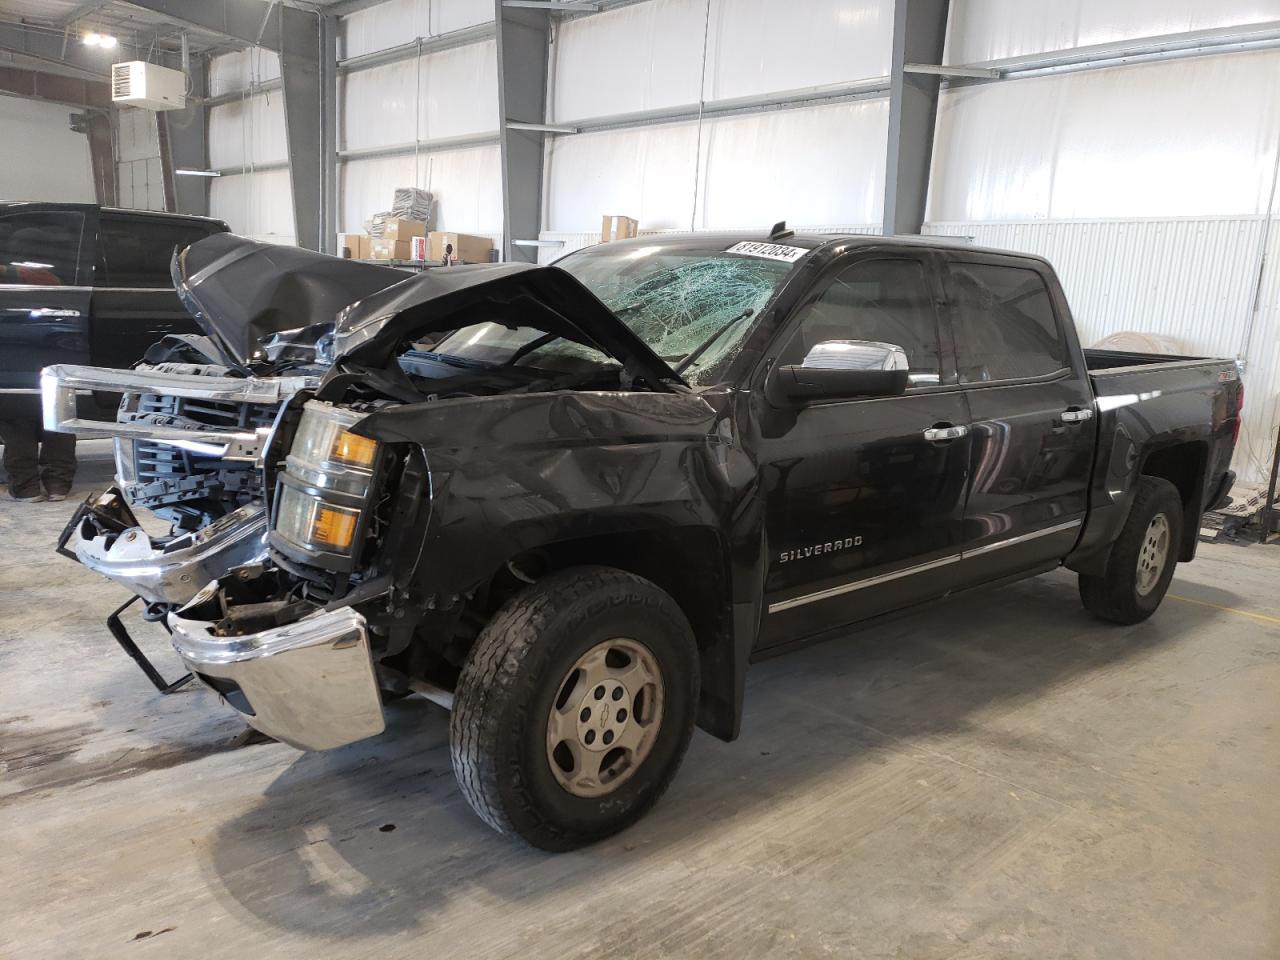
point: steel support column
(523, 39)
(184, 145)
(919, 33)
(328, 134)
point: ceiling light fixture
(197, 173)
(104, 40)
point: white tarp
(993, 29)
(1181, 138)
(649, 55)
(811, 165)
(466, 185)
(454, 93)
(402, 21)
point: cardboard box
(458, 247)
(396, 229)
(391, 250)
(618, 228)
(354, 246)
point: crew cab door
(44, 297)
(864, 496)
(1031, 419)
(134, 303)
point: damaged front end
(354, 587)
(195, 419)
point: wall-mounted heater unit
(141, 84)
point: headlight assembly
(311, 522)
(322, 495)
(326, 454)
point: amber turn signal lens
(334, 528)
(354, 451)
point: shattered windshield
(690, 305)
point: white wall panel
(139, 172)
(136, 137)
(466, 184)
(1262, 374)
(248, 131)
(759, 46)
(40, 157)
(640, 57)
(814, 165)
(993, 29)
(649, 55)
(456, 94)
(646, 173)
(239, 70)
(1183, 138)
(402, 21)
(258, 205)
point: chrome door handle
(1072, 415)
(945, 433)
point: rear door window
(1004, 323)
(41, 247)
(137, 252)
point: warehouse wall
(1149, 186)
(64, 171)
(244, 135)
(816, 164)
(450, 93)
(139, 171)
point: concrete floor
(999, 776)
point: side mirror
(836, 369)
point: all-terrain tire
(1116, 595)
(512, 677)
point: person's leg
(57, 462)
(21, 457)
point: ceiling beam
(86, 9)
(263, 23)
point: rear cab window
(1004, 323)
(41, 248)
(136, 251)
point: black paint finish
(79, 315)
(774, 525)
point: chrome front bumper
(310, 684)
(173, 571)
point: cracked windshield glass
(692, 305)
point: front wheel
(1142, 559)
(575, 707)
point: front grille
(175, 475)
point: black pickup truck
(608, 485)
(85, 284)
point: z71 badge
(830, 546)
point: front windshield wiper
(706, 344)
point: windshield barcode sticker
(770, 251)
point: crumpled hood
(240, 290)
(513, 294)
